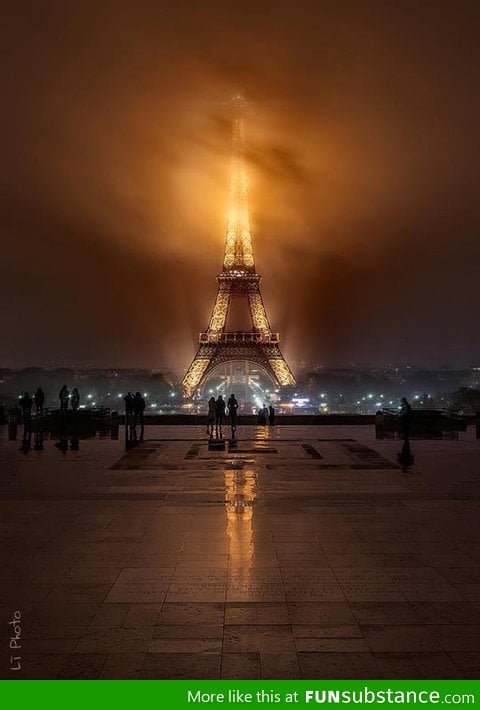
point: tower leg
(257, 310)
(198, 369)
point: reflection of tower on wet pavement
(240, 496)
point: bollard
(114, 425)
(379, 425)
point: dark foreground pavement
(303, 553)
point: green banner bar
(184, 694)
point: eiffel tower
(238, 279)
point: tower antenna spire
(238, 241)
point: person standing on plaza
(39, 399)
(405, 417)
(219, 412)
(262, 415)
(64, 396)
(405, 458)
(26, 404)
(139, 408)
(211, 416)
(75, 399)
(128, 399)
(232, 405)
(138, 413)
(271, 415)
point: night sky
(364, 177)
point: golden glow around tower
(238, 279)
(238, 247)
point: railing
(238, 337)
(421, 423)
(87, 412)
(422, 413)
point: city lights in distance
(300, 401)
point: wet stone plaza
(301, 552)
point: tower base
(237, 346)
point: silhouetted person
(262, 415)
(63, 397)
(128, 399)
(39, 399)
(405, 457)
(26, 404)
(138, 408)
(271, 415)
(232, 405)
(219, 412)
(211, 416)
(75, 399)
(405, 417)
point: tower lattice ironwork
(238, 279)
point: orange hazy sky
(363, 161)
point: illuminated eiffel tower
(238, 279)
